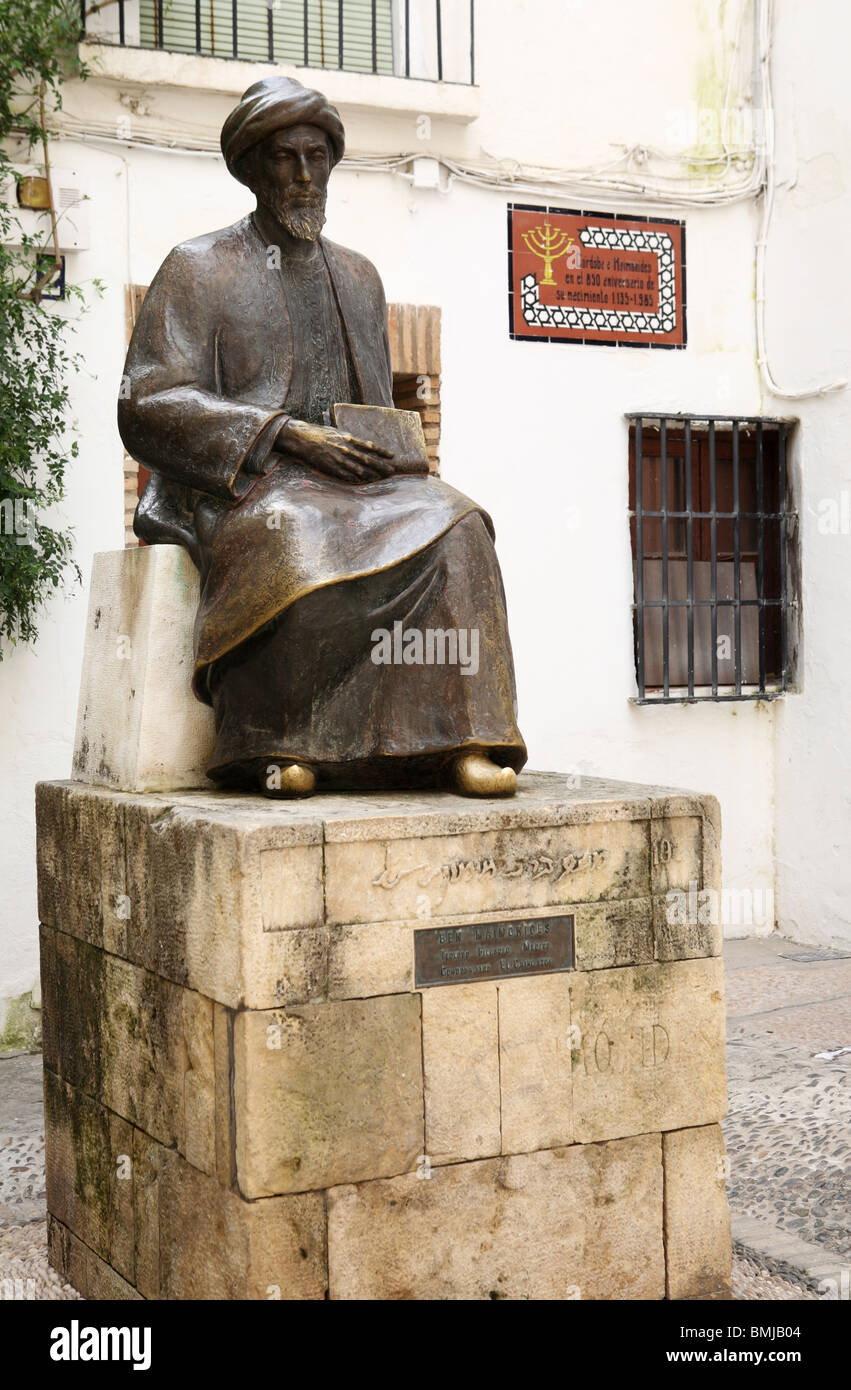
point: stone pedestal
(250, 1095)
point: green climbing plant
(38, 52)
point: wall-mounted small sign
(596, 277)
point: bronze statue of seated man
(329, 577)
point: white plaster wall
(38, 686)
(535, 432)
(809, 302)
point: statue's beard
(303, 215)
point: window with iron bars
(714, 540)
(427, 39)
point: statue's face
(288, 172)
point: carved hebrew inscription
(531, 866)
(499, 872)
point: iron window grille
(405, 38)
(713, 538)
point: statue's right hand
(336, 454)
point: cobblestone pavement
(753, 1283)
(788, 1132)
(24, 1271)
(22, 1193)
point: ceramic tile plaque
(596, 277)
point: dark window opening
(711, 524)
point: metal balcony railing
(433, 40)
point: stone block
(650, 1052)
(51, 1020)
(687, 925)
(216, 891)
(327, 1093)
(211, 1244)
(199, 1082)
(616, 933)
(131, 1218)
(583, 1222)
(80, 859)
(139, 726)
(370, 959)
(147, 1164)
(676, 852)
(117, 1034)
(83, 1269)
(535, 1063)
(230, 900)
(697, 1217)
(89, 1174)
(711, 811)
(461, 1070)
(224, 1118)
(685, 858)
(488, 871)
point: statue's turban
(275, 104)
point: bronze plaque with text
(493, 950)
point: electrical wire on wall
(629, 176)
(765, 37)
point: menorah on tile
(549, 244)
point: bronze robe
(228, 343)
